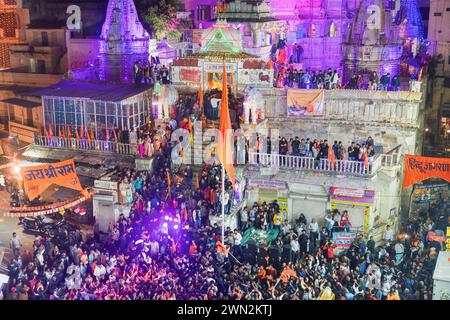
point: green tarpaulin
(260, 236)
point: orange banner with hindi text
(37, 179)
(418, 168)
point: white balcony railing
(309, 163)
(84, 144)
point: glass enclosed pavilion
(96, 106)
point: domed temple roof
(221, 41)
(221, 38)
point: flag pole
(223, 204)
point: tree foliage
(163, 21)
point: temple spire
(123, 41)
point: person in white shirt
(286, 228)
(244, 219)
(295, 249)
(399, 252)
(15, 244)
(100, 271)
(313, 232)
(388, 235)
(154, 248)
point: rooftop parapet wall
(399, 108)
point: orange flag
(225, 145)
(76, 134)
(197, 183)
(87, 135)
(81, 132)
(92, 134)
(200, 97)
(115, 136)
(168, 180)
(69, 134)
(366, 159)
(418, 168)
(331, 156)
(50, 130)
(191, 130)
(107, 135)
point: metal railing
(390, 160)
(310, 163)
(84, 144)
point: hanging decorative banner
(44, 210)
(419, 168)
(302, 103)
(38, 178)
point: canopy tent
(261, 237)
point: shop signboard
(283, 204)
(344, 239)
(266, 184)
(447, 242)
(351, 195)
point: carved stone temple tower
(372, 43)
(123, 41)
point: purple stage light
(175, 227)
(164, 225)
(166, 218)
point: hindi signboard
(419, 168)
(305, 103)
(37, 179)
(190, 75)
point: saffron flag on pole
(87, 134)
(92, 133)
(200, 97)
(169, 182)
(197, 183)
(225, 145)
(115, 136)
(50, 131)
(331, 156)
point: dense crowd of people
(166, 248)
(150, 72)
(362, 151)
(288, 72)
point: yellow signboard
(447, 242)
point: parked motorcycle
(48, 226)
